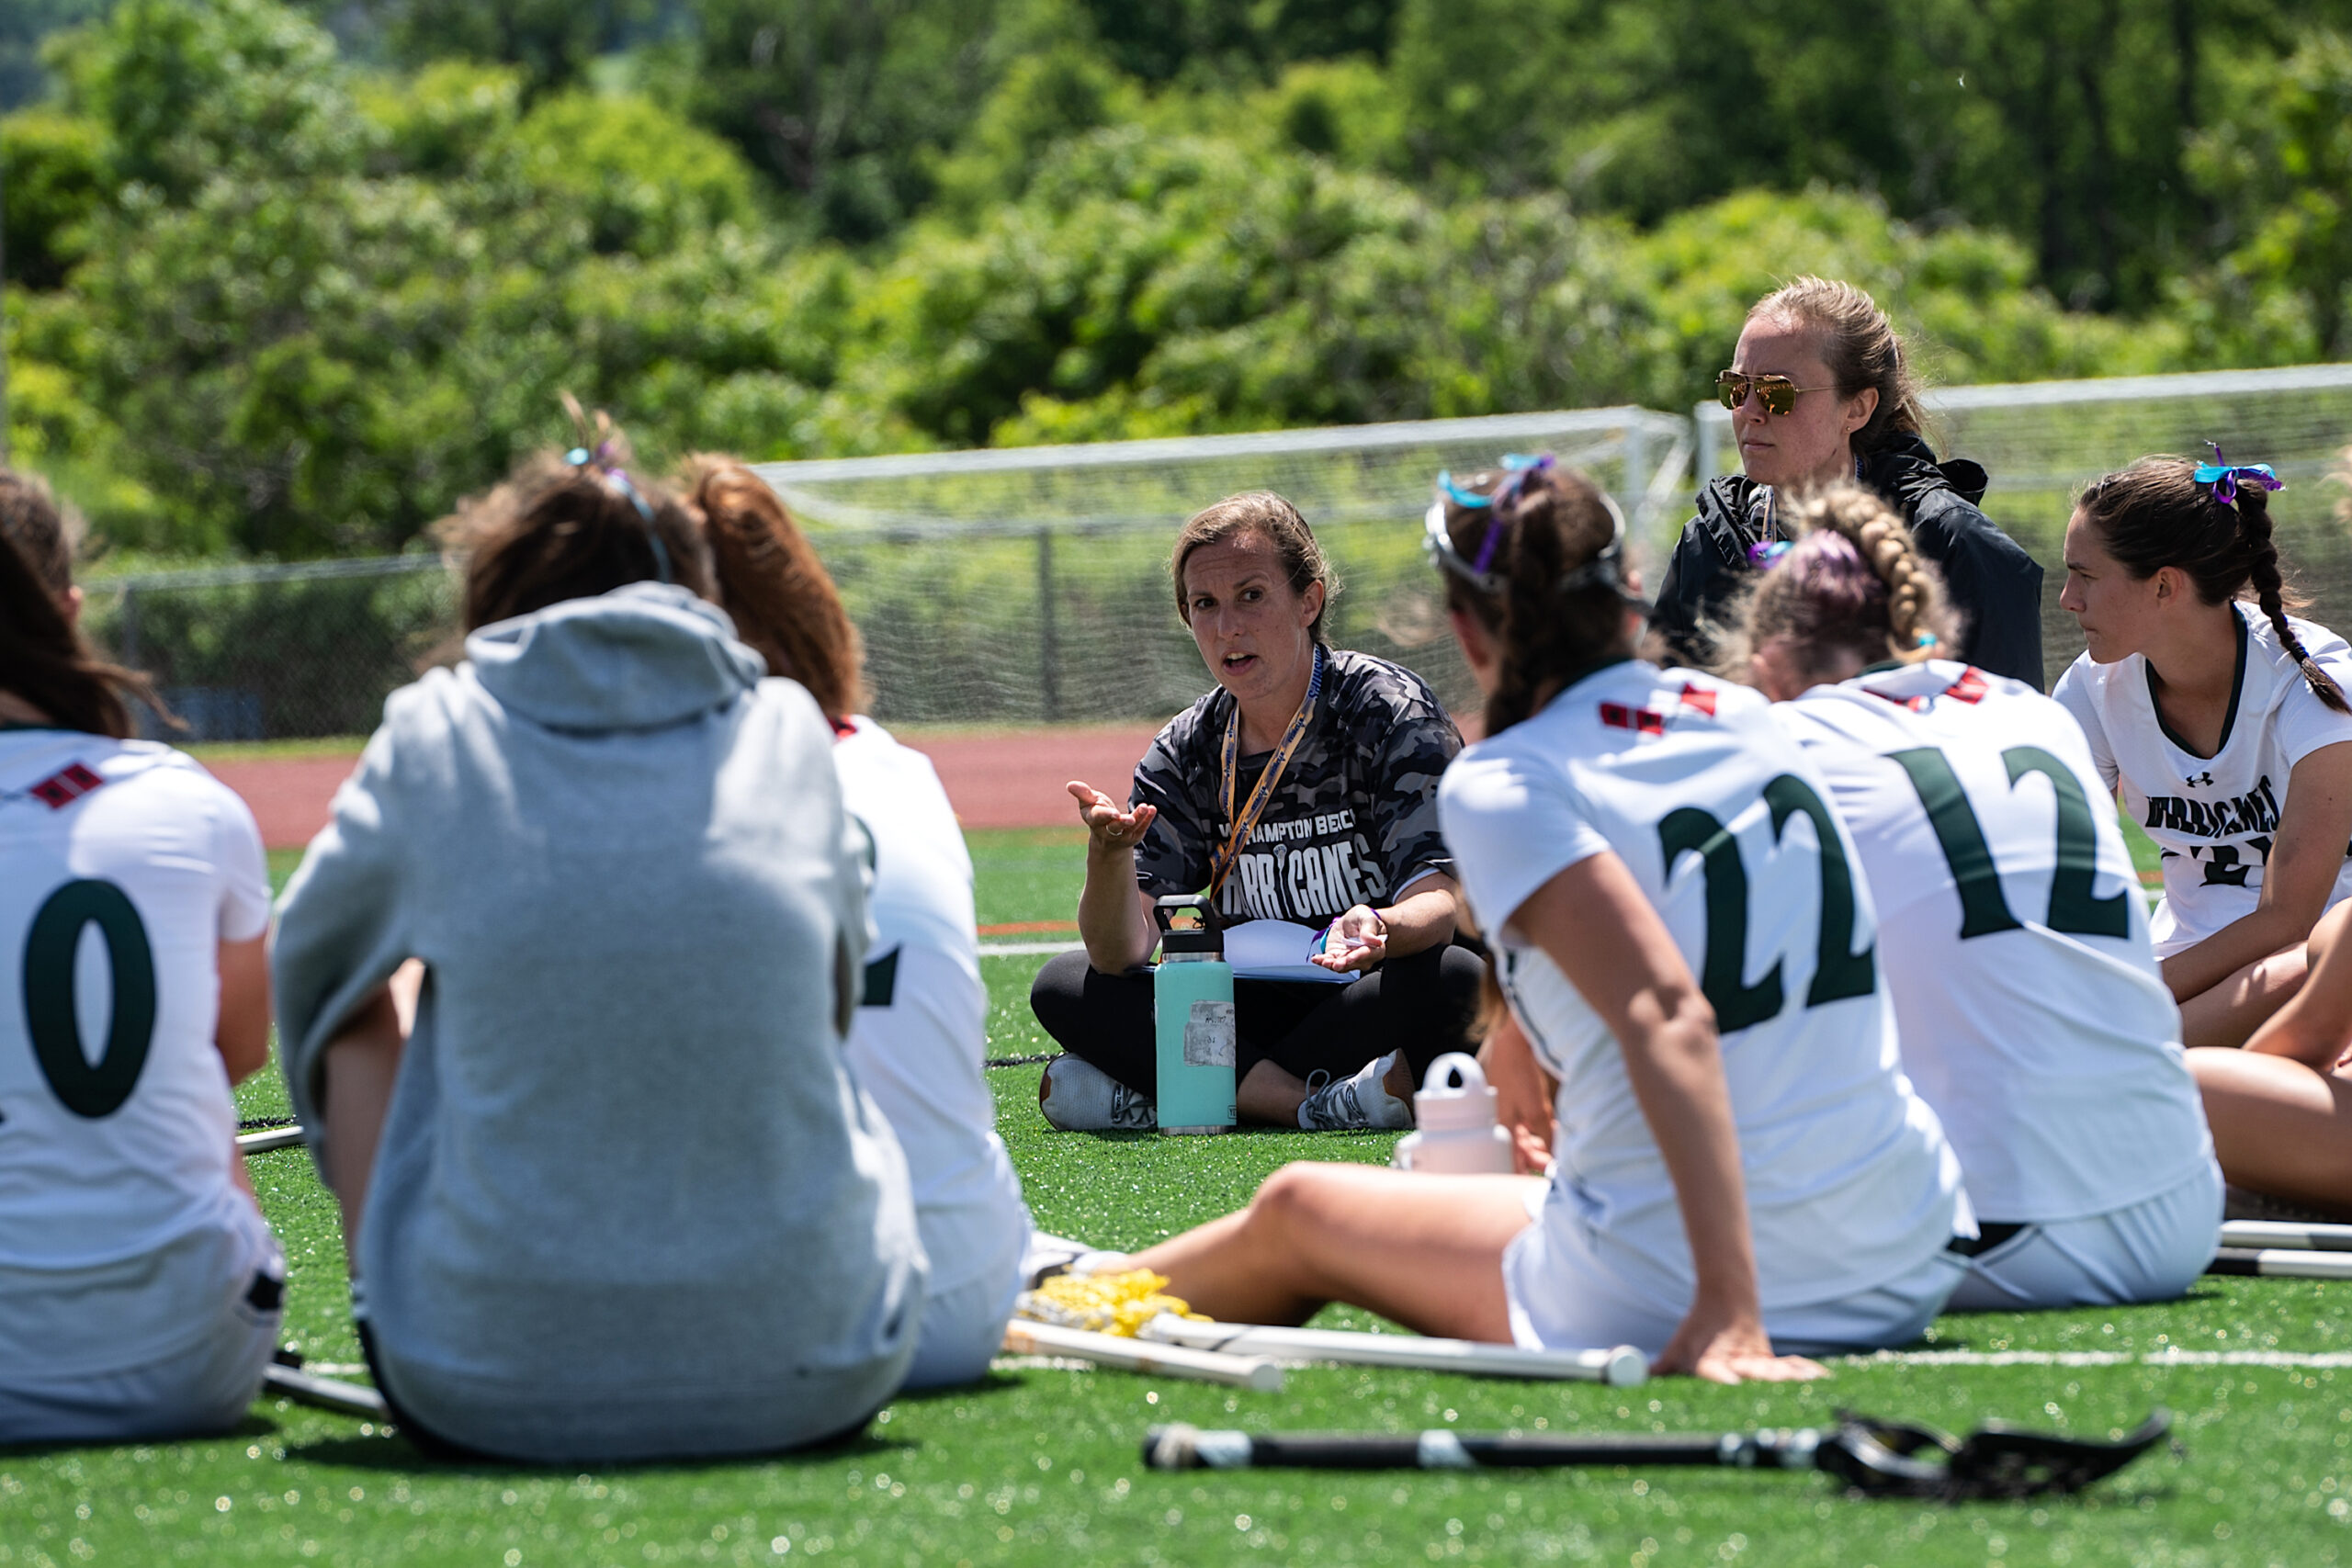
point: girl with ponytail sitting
(922, 1030)
(2010, 926)
(610, 1191)
(139, 1285)
(2220, 724)
(1743, 1170)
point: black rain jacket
(1995, 585)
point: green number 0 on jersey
(89, 1091)
(1837, 974)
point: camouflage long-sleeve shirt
(1353, 822)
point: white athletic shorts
(2151, 1251)
(1596, 1309)
(202, 1388)
(962, 1327)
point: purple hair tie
(2225, 477)
(1766, 554)
(1513, 482)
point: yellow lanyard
(1247, 818)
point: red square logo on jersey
(64, 787)
(1647, 721)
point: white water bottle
(1458, 1134)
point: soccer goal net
(2043, 441)
(1031, 585)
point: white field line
(2171, 1358)
(2315, 1360)
(1014, 949)
(1039, 1364)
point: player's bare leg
(1425, 1250)
(2280, 1127)
(2230, 1012)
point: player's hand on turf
(1730, 1347)
(1109, 825)
(1357, 941)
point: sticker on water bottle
(1209, 1035)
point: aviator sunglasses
(1778, 393)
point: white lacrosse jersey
(123, 866)
(2013, 938)
(921, 1034)
(1727, 828)
(2214, 817)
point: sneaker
(1361, 1100)
(1051, 1255)
(1079, 1097)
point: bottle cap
(1188, 924)
(1439, 1107)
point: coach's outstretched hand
(1723, 1346)
(1109, 826)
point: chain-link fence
(1028, 587)
(267, 653)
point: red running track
(995, 780)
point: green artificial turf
(1040, 1465)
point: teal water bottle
(1191, 1010)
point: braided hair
(2155, 515)
(1854, 582)
(1554, 521)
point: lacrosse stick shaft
(1022, 1338)
(350, 1398)
(274, 1138)
(1187, 1448)
(2260, 1233)
(1622, 1366)
(2278, 1263)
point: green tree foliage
(2280, 167)
(2063, 122)
(57, 177)
(268, 301)
(843, 103)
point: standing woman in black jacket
(1820, 390)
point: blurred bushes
(273, 294)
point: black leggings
(1425, 1003)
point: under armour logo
(2205, 778)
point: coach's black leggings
(1425, 1003)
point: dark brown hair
(558, 530)
(770, 582)
(1556, 520)
(1861, 348)
(45, 661)
(44, 533)
(2155, 515)
(1853, 581)
(1278, 521)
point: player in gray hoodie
(627, 1203)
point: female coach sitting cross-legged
(1302, 790)
(611, 1192)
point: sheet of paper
(1276, 950)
